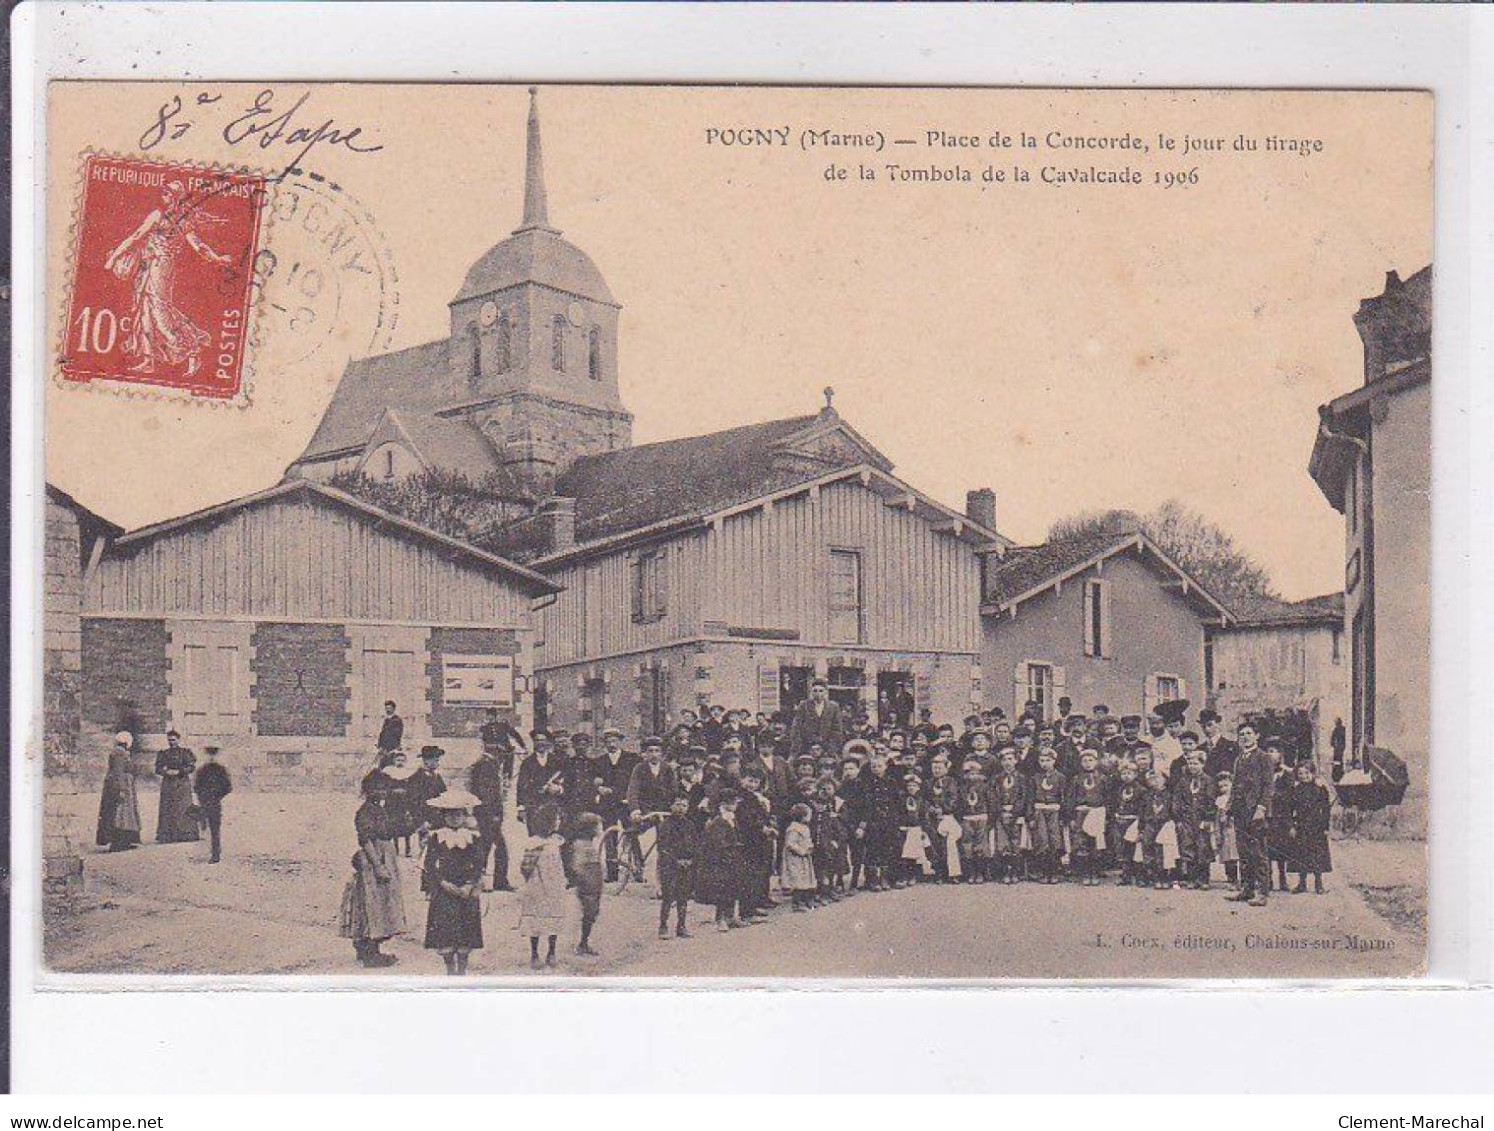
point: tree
(1204, 550)
(445, 501)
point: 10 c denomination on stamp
(162, 272)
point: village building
(1098, 618)
(730, 568)
(278, 624)
(1372, 459)
(74, 536)
(1285, 665)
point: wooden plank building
(276, 625)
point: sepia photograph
(527, 533)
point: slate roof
(639, 487)
(536, 255)
(1268, 612)
(1030, 569)
(413, 379)
(449, 444)
(1026, 568)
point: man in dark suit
(1249, 803)
(817, 719)
(1219, 752)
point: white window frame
(859, 608)
(1103, 648)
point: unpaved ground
(271, 907)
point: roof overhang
(1187, 586)
(893, 491)
(535, 584)
(1343, 428)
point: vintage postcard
(531, 533)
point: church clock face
(489, 313)
(574, 314)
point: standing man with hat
(503, 740)
(614, 770)
(817, 719)
(487, 782)
(1220, 752)
(1249, 806)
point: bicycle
(632, 857)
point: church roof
(536, 255)
(637, 487)
(443, 443)
(411, 379)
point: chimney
(980, 507)
(557, 516)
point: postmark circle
(325, 281)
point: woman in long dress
(174, 766)
(373, 902)
(119, 811)
(160, 331)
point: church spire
(536, 212)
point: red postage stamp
(162, 274)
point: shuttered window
(208, 689)
(845, 597)
(1097, 640)
(648, 586)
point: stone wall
(456, 720)
(300, 679)
(127, 686)
(63, 770)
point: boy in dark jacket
(1088, 800)
(678, 847)
(1129, 794)
(211, 785)
(1156, 811)
(1193, 813)
(1045, 817)
(1010, 796)
(720, 875)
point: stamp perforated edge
(160, 393)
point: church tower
(533, 343)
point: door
(895, 699)
(793, 687)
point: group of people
(191, 800)
(831, 804)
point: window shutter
(1019, 688)
(767, 688)
(661, 590)
(1107, 646)
(1148, 693)
(635, 577)
(1182, 688)
(1089, 619)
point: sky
(1075, 347)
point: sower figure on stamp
(174, 765)
(160, 331)
(1249, 806)
(212, 785)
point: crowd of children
(732, 802)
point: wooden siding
(594, 615)
(770, 570)
(301, 559)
